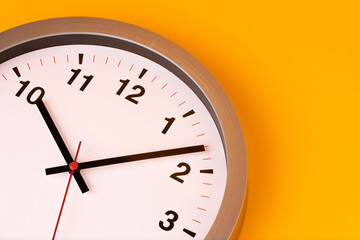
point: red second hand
(73, 166)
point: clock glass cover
(153, 158)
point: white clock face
(117, 103)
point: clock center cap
(73, 166)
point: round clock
(109, 131)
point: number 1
(168, 125)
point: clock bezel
(233, 206)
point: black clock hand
(60, 143)
(129, 158)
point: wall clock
(109, 131)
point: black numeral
(123, 86)
(186, 172)
(22, 89)
(38, 92)
(76, 74)
(170, 221)
(168, 125)
(139, 94)
(86, 83)
(131, 96)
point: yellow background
(292, 71)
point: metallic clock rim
(233, 207)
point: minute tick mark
(196, 221)
(182, 103)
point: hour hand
(129, 158)
(60, 143)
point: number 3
(171, 221)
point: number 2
(131, 96)
(186, 172)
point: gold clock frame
(231, 214)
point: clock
(109, 131)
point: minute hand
(129, 158)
